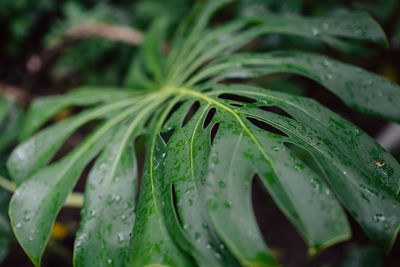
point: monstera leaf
(205, 140)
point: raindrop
(19, 225)
(196, 235)
(298, 167)
(221, 184)
(315, 31)
(325, 26)
(344, 172)
(221, 246)
(315, 184)
(109, 261)
(228, 204)
(386, 226)
(92, 213)
(329, 76)
(208, 246)
(275, 148)
(120, 238)
(326, 63)
(358, 32)
(205, 226)
(30, 238)
(379, 218)
(27, 218)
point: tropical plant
(207, 134)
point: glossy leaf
(38, 150)
(353, 25)
(151, 243)
(357, 26)
(205, 144)
(362, 90)
(32, 218)
(45, 108)
(108, 212)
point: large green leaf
(38, 150)
(230, 37)
(151, 244)
(206, 143)
(362, 90)
(110, 199)
(45, 108)
(32, 217)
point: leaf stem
(7, 185)
(74, 200)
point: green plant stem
(74, 200)
(7, 185)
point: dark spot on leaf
(235, 105)
(206, 90)
(167, 135)
(140, 155)
(266, 127)
(276, 110)
(276, 229)
(214, 131)
(238, 98)
(209, 117)
(172, 111)
(193, 109)
(305, 156)
(175, 204)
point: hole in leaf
(193, 109)
(175, 202)
(206, 90)
(276, 229)
(276, 110)
(214, 131)
(239, 98)
(209, 117)
(167, 135)
(172, 111)
(140, 152)
(81, 184)
(305, 157)
(266, 127)
(235, 105)
(75, 139)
